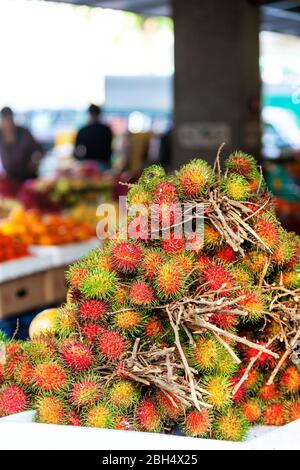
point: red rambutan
(76, 355)
(226, 254)
(141, 294)
(12, 400)
(148, 416)
(172, 244)
(203, 262)
(264, 360)
(268, 392)
(154, 327)
(92, 310)
(275, 414)
(74, 419)
(225, 321)
(92, 331)
(165, 192)
(267, 231)
(123, 424)
(112, 345)
(126, 256)
(197, 423)
(240, 394)
(218, 278)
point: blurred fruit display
(11, 248)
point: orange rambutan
(256, 260)
(169, 405)
(274, 414)
(148, 416)
(13, 400)
(254, 305)
(77, 274)
(203, 262)
(241, 164)
(218, 278)
(128, 321)
(289, 279)
(212, 237)
(252, 410)
(254, 378)
(185, 261)
(194, 177)
(153, 327)
(112, 345)
(23, 373)
(294, 410)
(92, 310)
(197, 423)
(150, 262)
(125, 256)
(76, 355)
(100, 415)
(49, 376)
(141, 294)
(267, 230)
(290, 380)
(169, 281)
(269, 392)
(50, 410)
(85, 391)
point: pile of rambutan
(214, 315)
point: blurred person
(19, 152)
(94, 141)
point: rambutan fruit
(150, 262)
(218, 278)
(141, 294)
(128, 321)
(203, 262)
(112, 345)
(11, 364)
(92, 331)
(242, 274)
(85, 391)
(219, 389)
(212, 237)
(92, 310)
(290, 379)
(231, 425)
(264, 360)
(171, 244)
(153, 328)
(283, 251)
(194, 177)
(290, 279)
(253, 303)
(236, 187)
(274, 414)
(226, 254)
(74, 419)
(49, 376)
(41, 347)
(252, 410)
(256, 260)
(165, 192)
(138, 195)
(186, 261)
(76, 274)
(123, 395)
(197, 423)
(123, 423)
(51, 410)
(152, 176)
(225, 364)
(254, 378)
(241, 393)
(13, 400)
(169, 405)
(194, 241)
(225, 321)
(148, 416)
(100, 415)
(294, 410)
(125, 256)
(169, 281)
(65, 323)
(73, 296)
(24, 373)
(204, 353)
(241, 164)
(266, 228)
(120, 296)
(268, 392)
(99, 284)
(77, 356)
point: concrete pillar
(217, 84)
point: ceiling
(280, 15)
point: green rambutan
(154, 328)
(225, 364)
(266, 228)
(112, 345)
(218, 278)
(294, 410)
(252, 410)
(197, 423)
(123, 395)
(269, 392)
(51, 410)
(92, 310)
(225, 254)
(172, 244)
(141, 294)
(49, 376)
(256, 260)
(152, 176)
(13, 400)
(85, 391)
(100, 415)
(151, 260)
(169, 281)
(219, 389)
(125, 256)
(76, 355)
(99, 284)
(194, 177)
(274, 414)
(169, 405)
(128, 321)
(241, 163)
(204, 353)
(76, 274)
(253, 303)
(92, 331)
(41, 347)
(242, 274)
(231, 425)
(212, 237)
(148, 416)
(290, 379)
(236, 187)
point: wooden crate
(55, 285)
(19, 295)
